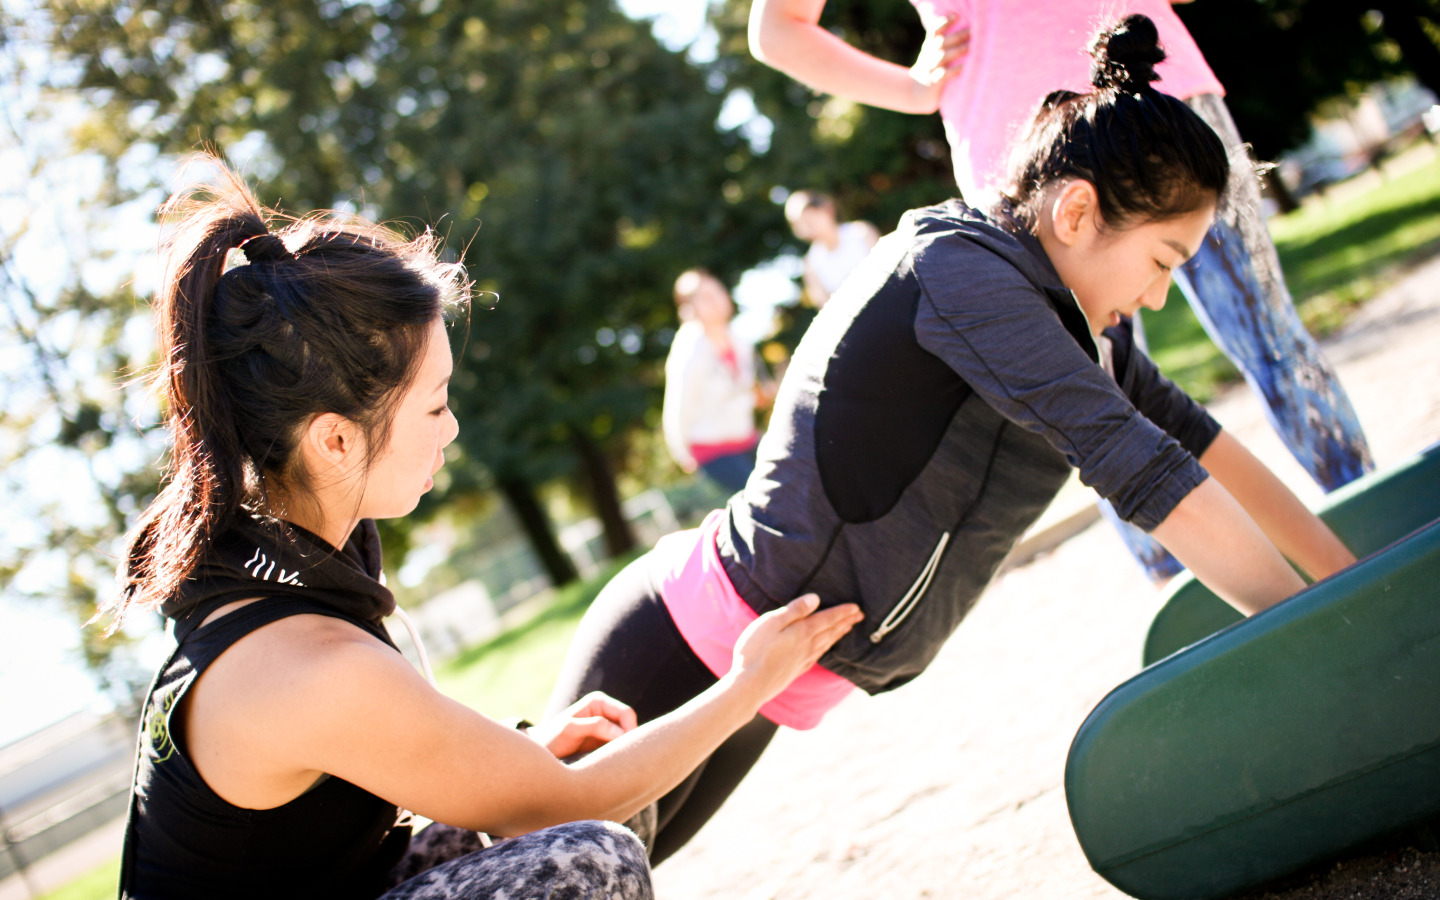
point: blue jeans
(1235, 286)
(732, 470)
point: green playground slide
(1281, 741)
(1368, 514)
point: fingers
(819, 631)
(596, 728)
(599, 703)
(803, 605)
(832, 624)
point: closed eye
(441, 411)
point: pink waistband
(706, 453)
(711, 616)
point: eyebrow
(1179, 248)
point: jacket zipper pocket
(912, 597)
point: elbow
(766, 35)
(761, 42)
(567, 800)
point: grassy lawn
(512, 673)
(1336, 251)
(97, 884)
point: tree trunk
(520, 493)
(1276, 189)
(599, 478)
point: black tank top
(183, 841)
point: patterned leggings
(567, 862)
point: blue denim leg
(731, 471)
(1303, 398)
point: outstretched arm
(1211, 534)
(1295, 530)
(786, 35)
(1236, 529)
(361, 713)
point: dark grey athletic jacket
(929, 416)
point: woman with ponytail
(304, 374)
(933, 410)
(985, 67)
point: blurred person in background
(712, 389)
(836, 247)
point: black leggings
(628, 646)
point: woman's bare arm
(786, 35)
(311, 695)
(1297, 532)
(1213, 536)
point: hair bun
(1126, 54)
(265, 247)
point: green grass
(97, 884)
(1337, 251)
(512, 673)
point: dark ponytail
(327, 314)
(1149, 156)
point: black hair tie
(265, 248)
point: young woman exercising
(933, 410)
(305, 386)
(985, 67)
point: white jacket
(704, 402)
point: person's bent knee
(603, 859)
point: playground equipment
(1368, 514)
(1284, 738)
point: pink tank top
(1020, 51)
(710, 616)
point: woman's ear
(1073, 209)
(331, 443)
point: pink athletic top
(1020, 51)
(711, 615)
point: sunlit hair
(259, 332)
(1149, 156)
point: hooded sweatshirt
(182, 839)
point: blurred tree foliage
(570, 160)
(1281, 59)
(73, 467)
(876, 163)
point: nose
(1154, 296)
(451, 429)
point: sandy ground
(952, 786)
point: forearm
(627, 774)
(787, 36)
(1294, 530)
(1213, 536)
